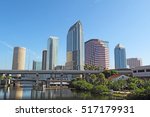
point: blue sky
(29, 23)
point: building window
(147, 70)
(141, 70)
(134, 71)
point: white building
(141, 71)
(52, 53)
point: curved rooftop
(78, 22)
(119, 46)
(18, 47)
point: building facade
(134, 62)
(97, 53)
(75, 47)
(142, 71)
(44, 59)
(37, 65)
(52, 53)
(120, 57)
(19, 55)
(59, 67)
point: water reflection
(27, 93)
(51, 94)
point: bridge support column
(8, 79)
(48, 82)
(61, 80)
(37, 79)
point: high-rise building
(52, 53)
(37, 65)
(44, 59)
(19, 56)
(134, 62)
(75, 47)
(120, 57)
(97, 53)
(59, 67)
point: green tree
(119, 85)
(113, 72)
(107, 73)
(146, 84)
(139, 83)
(101, 89)
(82, 85)
(91, 67)
(2, 77)
(109, 84)
(93, 78)
(101, 79)
(132, 86)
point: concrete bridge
(52, 74)
(49, 71)
(62, 72)
(36, 82)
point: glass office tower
(75, 47)
(120, 57)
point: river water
(28, 93)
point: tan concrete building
(134, 62)
(19, 56)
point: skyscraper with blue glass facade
(120, 57)
(75, 47)
(37, 65)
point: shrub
(82, 85)
(101, 89)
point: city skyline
(28, 24)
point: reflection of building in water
(19, 93)
(51, 94)
(4, 93)
(16, 93)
